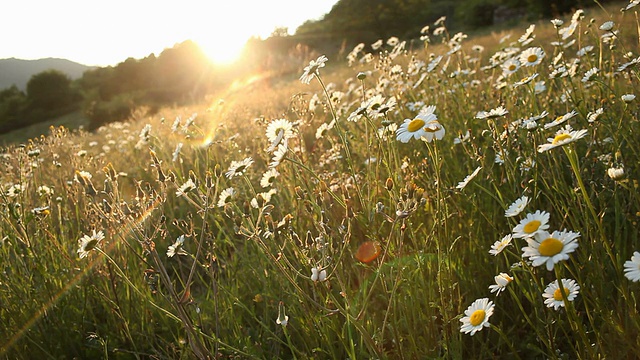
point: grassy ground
(413, 205)
(72, 121)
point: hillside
(18, 71)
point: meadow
(471, 198)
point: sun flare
(222, 49)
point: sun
(222, 49)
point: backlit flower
(176, 248)
(88, 243)
(531, 224)
(225, 196)
(462, 184)
(493, 113)
(500, 245)
(562, 137)
(422, 125)
(632, 267)
(238, 168)
(312, 69)
(502, 280)
(517, 206)
(553, 293)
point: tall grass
(314, 221)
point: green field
(474, 199)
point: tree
(50, 91)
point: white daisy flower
(176, 248)
(312, 69)
(502, 280)
(462, 184)
(606, 26)
(553, 295)
(532, 56)
(632, 267)
(277, 131)
(188, 186)
(632, 3)
(421, 125)
(557, 23)
(225, 196)
(562, 137)
(493, 113)
(593, 116)
(531, 225)
(238, 168)
(561, 119)
(628, 98)
(517, 206)
(588, 76)
(549, 249)
(525, 80)
(477, 316)
(88, 243)
(616, 174)
(510, 66)
(269, 177)
(500, 245)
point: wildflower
(628, 98)
(531, 224)
(425, 124)
(237, 168)
(585, 50)
(532, 56)
(477, 316)
(278, 155)
(462, 184)
(588, 76)
(44, 190)
(318, 274)
(510, 66)
(632, 267)
(188, 186)
(525, 80)
(616, 174)
(606, 26)
(269, 177)
(539, 87)
(526, 38)
(550, 249)
(88, 243)
(493, 113)
(517, 206)
(225, 196)
(176, 248)
(593, 116)
(562, 137)
(553, 295)
(502, 280)
(561, 119)
(282, 319)
(376, 45)
(312, 69)
(277, 131)
(557, 23)
(176, 152)
(632, 3)
(500, 245)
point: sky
(103, 33)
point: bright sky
(105, 33)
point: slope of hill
(18, 71)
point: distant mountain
(18, 72)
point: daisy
(269, 177)
(562, 137)
(616, 174)
(554, 297)
(500, 245)
(189, 185)
(176, 248)
(632, 267)
(277, 131)
(510, 66)
(462, 184)
(631, 4)
(237, 168)
(561, 119)
(502, 281)
(550, 249)
(225, 196)
(176, 152)
(416, 128)
(531, 56)
(376, 45)
(525, 80)
(628, 98)
(557, 23)
(606, 26)
(312, 69)
(588, 76)
(593, 116)
(88, 243)
(477, 316)
(318, 274)
(531, 224)
(493, 113)
(517, 206)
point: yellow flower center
(477, 317)
(557, 295)
(415, 125)
(560, 137)
(512, 67)
(550, 247)
(532, 58)
(532, 226)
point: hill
(19, 71)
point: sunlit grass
(354, 244)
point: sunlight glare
(222, 49)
